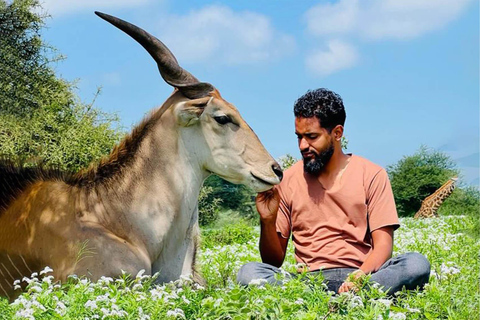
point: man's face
(315, 143)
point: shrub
(41, 118)
(208, 206)
(238, 233)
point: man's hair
(324, 104)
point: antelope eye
(222, 119)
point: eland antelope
(138, 208)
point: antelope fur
(138, 208)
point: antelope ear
(189, 112)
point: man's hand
(353, 282)
(267, 203)
(272, 245)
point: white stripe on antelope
(137, 208)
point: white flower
(27, 280)
(47, 279)
(61, 309)
(91, 304)
(36, 288)
(449, 270)
(137, 286)
(140, 273)
(257, 282)
(356, 301)
(196, 286)
(25, 313)
(105, 280)
(47, 269)
(176, 313)
(397, 316)
(218, 302)
(141, 315)
(102, 298)
(387, 303)
(185, 300)
(299, 301)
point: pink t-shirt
(331, 228)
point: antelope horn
(168, 66)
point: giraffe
(431, 203)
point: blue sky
(407, 70)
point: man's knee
(417, 268)
(249, 272)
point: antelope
(137, 208)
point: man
(338, 207)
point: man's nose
(303, 144)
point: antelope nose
(278, 170)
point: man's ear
(189, 112)
(338, 132)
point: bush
(238, 233)
(463, 201)
(208, 206)
(416, 177)
(41, 118)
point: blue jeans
(410, 270)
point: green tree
(415, 177)
(41, 118)
(287, 161)
(233, 196)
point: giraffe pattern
(431, 203)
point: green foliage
(287, 161)
(233, 196)
(27, 82)
(208, 206)
(344, 143)
(239, 233)
(464, 201)
(415, 177)
(41, 119)
(452, 292)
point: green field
(453, 291)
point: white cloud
(372, 20)
(338, 56)
(383, 19)
(62, 7)
(332, 18)
(217, 34)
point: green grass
(453, 291)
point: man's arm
(382, 247)
(272, 245)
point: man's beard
(315, 165)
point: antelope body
(136, 209)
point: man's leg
(409, 270)
(259, 271)
(334, 277)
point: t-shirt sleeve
(380, 203)
(284, 221)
